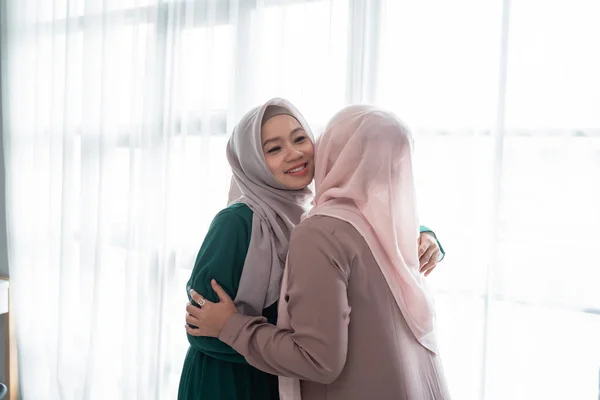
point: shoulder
(330, 236)
(323, 226)
(232, 223)
(237, 213)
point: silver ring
(201, 302)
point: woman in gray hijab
(271, 154)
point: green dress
(212, 370)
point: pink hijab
(364, 176)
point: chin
(298, 183)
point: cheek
(274, 163)
(309, 150)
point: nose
(293, 154)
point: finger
(429, 266)
(194, 331)
(223, 296)
(436, 255)
(198, 298)
(190, 319)
(422, 262)
(427, 257)
(430, 270)
(422, 245)
(194, 310)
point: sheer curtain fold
(116, 114)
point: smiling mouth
(297, 169)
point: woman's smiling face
(288, 151)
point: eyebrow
(270, 140)
(295, 130)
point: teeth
(297, 169)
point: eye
(274, 149)
(300, 139)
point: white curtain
(116, 113)
(505, 99)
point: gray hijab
(276, 209)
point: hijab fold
(364, 176)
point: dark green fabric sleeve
(221, 257)
(425, 229)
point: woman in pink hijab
(356, 320)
